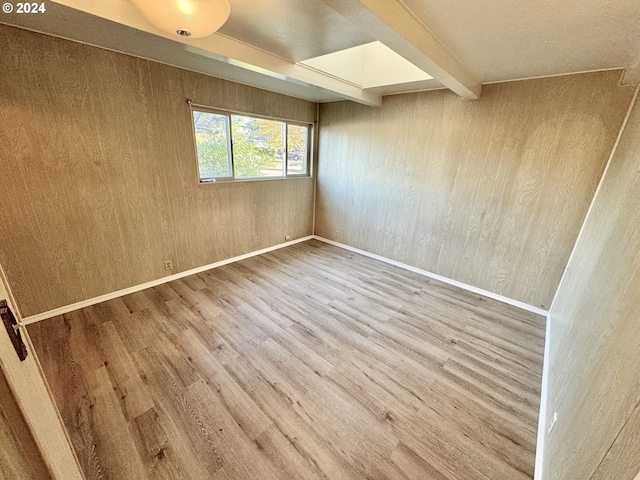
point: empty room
(320, 239)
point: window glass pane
(212, 143)
(297, 149)
(256, 143)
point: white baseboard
(136, 288)
(435, 276)
(543, 401)
(542, 418)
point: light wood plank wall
(595, 334)
(99, 179)
(491, 192)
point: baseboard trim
(542, 418)
(435, 276)
(136, 288)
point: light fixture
(185, 18)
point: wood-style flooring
(309, 362)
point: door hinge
(13, 329)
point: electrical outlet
(552, 423)
(287, 237)
(167, 265)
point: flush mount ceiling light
(187, 18)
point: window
(239, 147)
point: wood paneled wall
(594, 381)
(99, 179)
(491, 192)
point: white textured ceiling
(65, 22)
(473, 41)
(292, 29)
(513, 39)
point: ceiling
(462, 44)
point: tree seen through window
(236, 146)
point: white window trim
(229, 113)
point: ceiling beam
(229, 50)
(252, 58)
(393, 24)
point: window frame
(229, 127)
(285, 158)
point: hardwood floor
(309, 362)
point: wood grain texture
(309, 362)
(31, 395)
(595, 334)
(19, 455)
(622, 459)
(491, 193)
(100, 182)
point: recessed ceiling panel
(368, 66)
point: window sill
(245, 180)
